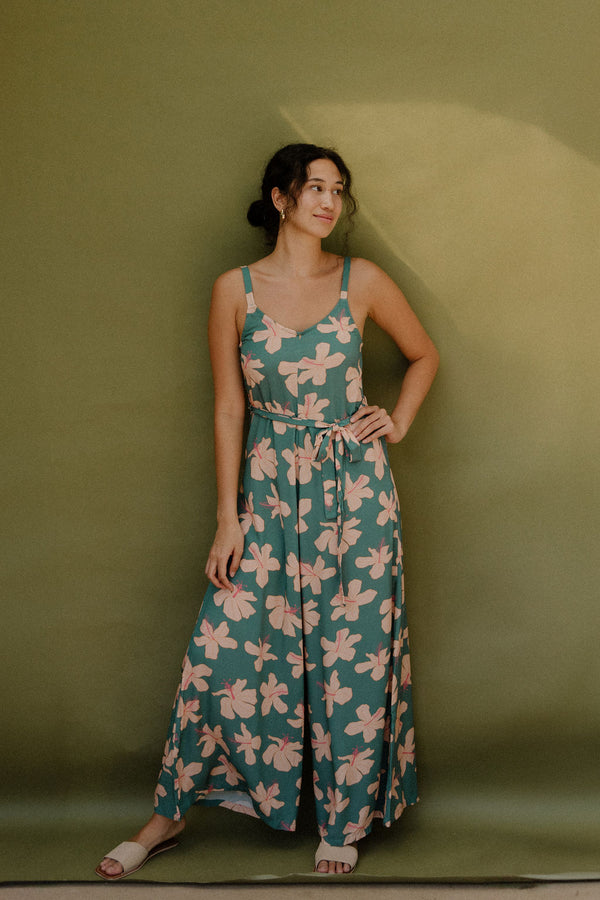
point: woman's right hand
(227, 545)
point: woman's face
(319, 204)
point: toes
(331, 867)
(111, 866)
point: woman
(304, 618)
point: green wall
(134, 136)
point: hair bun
(256, 214)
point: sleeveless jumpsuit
(314, 628)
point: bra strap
(250, 304)
(345, 278)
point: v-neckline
(295, 331)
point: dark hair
(288, 171)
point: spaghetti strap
(345, 278)
(250, 304)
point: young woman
(302, 629)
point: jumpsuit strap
(250, 304)
(345, 278)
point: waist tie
(335, 442)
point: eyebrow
(322, 180)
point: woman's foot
(156, 830)
(332, 867)
(335, 860)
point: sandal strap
(346, 854)
(129, 854)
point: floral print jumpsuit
(314, 629)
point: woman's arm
(381, 299)
(223, 340)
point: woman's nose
(327, 200)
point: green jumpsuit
(316, 616)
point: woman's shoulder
(366, 274)
(228, 293)
(229, 280)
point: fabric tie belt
(335, 443)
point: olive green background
(134, 134)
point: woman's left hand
(371, 422)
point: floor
(580, 890)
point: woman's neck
(299, 256)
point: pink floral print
(316, 610)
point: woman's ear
(279, 199)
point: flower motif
(376, 454)
(377, 662)
(336, 804)
(187, 711)
(368, 723)
(169, 756)
(406, 751)
(312, 575)
(249, 518)
(333, 693)
(315, 370)
(262, 562)
(321, 743)
(348, 605)
(250, 367)
(359, 829)
(283, 616)
(263, 460)
(277, 506)
(341, 325)
(290, 371)
(357, 766)
(328, 539)
(247, 744)
(312, 407)
(341, 648)
(237, 603)
(210, 739)
(237, 699)
(185, 775)
(272, 693)
(273, 334)
(356, 491)
(283, 754)
(386, 613)
(261, 651)
(232, 776)
(194, 675)
(389, 508)
(354, 387)
(310, 615)
(214, 638)
(377, 560)
(265, 797)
